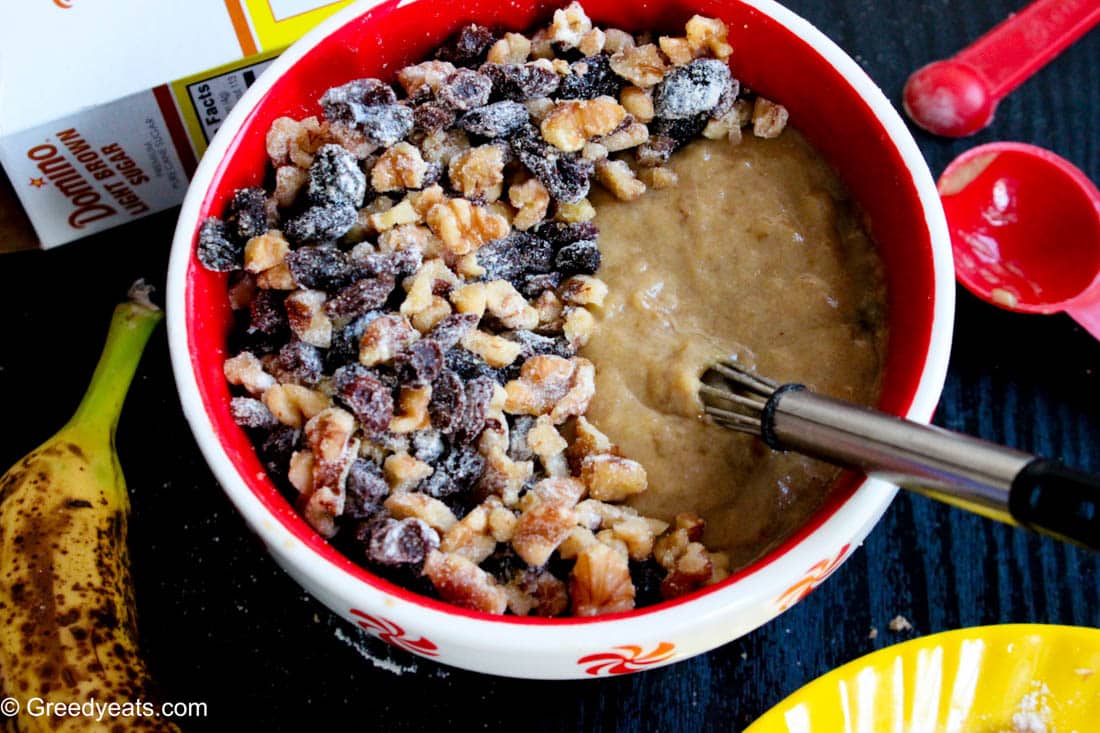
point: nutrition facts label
(212, 98)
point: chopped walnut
(470, 298)
(471, 537)
(708, 35)
(541, 45)
(464, 227)
(577, 539)
(351, 139)
(300, 473)
(550, 311)
(294, 141)
(429, 74)
(509, 306)
(592, 42)
(537, 591)
(289, 180)
(265, 251)
(583, 290)
(610, 539)
(245, 370)
(569, 25)
(412, 414)
(638, 536)
(329, 434)
(291, 404)
(768, 118)
(616, 40)
(582, 387)
(400, 167)
(540, 529)
(503, 476)
(720, 563)
(531, 199)
(678, 50)
(574, 121)
(587, 441)
(578, 327)
(546, 442)
(278, 277)
(638, 103)
(671, 545)
(502, 521)
(595, 514)
(467, 266)
(512, 48)
(658, 177)
(478, 172)
(423, 201)
(583, 210)
(496, 435)
(630, 136)
(426, 318)
(441, 146)
(612, 478)
(404, 504)
(406, 237)
(432, 276)
(402, 213)
(616, 177)
(600, 582)
(384, 337)
(497, 351)
(692, 570)
(306, 314)
(642, 66)
(594, 151)
(543, 380)
(463, 583)
(539, 107)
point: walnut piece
(578, 327)
(412, 412)
(424, 283)
(768, 118)
(509, 306)
(678, 50)
(470, 298)
(616, 40)
(616, 177)
(265, 251)
(512, 48)
(600, 582)
(245, 370)
(582, 387)
(402, 213)
(430, 74)
(289, 180)
(612, 478)
(708, 35)
(463, 583)
(583, 210)
(464, 227)
(592, 42)
(384, 337)
(659, 177)
(546, 442)
(642, 66)
(431, 511)
(471, 537)
(569, 25)
(306, 314)
(630, 136)
(572, 122)
(291, 404)
(583, 290)
(497, 351)
(478, 172)
(400, 167)
(543, 380)
(531, 199)
(637, 102)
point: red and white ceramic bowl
(830, 99)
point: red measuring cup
(958, 96)
(1025, 230)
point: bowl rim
(761, 583)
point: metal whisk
(982, 477)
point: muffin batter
(755, 253)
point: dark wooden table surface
(222, 624)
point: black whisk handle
(1048, 497)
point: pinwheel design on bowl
(393, 634)
(626, 659)
(813, 578)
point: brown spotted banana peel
(67, 622)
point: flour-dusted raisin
(464, 465)
(335, 177)
(345, 342)
(681, 131)
(247, 217)
(560, 233)
(518, 450)
(479, 393)
(448, 332)
(320, 268)
(469, 365)
(647, 577)
(277, 447)
(405, 542)
(360, 297)
(365, 490)
(591, 77)
(519, 83)
(467, 47)
(518, 254)
(581, 257)
(427, 445)
(656, 151)
(464, 90)
(267, 314)
(499, 119)
(448, 402)
(565, 175)
(298, 362)
(366, 396)
(433, 116)
(537, 345)
(691, 89)
(348, 103)
(319, 224)
(216, 251)
(533, 285)
(725, 101)
(386, 125)
(419, 364)
(251, 413)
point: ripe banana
(67, 623)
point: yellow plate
(1018, 678)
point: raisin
(680, 131)
(427, 445)
(560, 233)
(247, 216)
(581, 257)
(277, 447)
(335, 177)
(345, 342)
(404, 542)
(267, 315)
(468, 365)
(655, 151)
(359, 297)
(322, 223)
(647, 576)
(348, 103)
(419, 364)
(592, 77)
(565, 175)
(520, 83)
(433, 116)
(251, 413)
(387, 125)
(518, 450)
(366, 396)
(464, 90)
(464, 465)
(215, 250)
(439, 485)
(691, 89)
(298, 362)
(365, 488)
(498, 119)
(479, 393)
(533, 285)
(536, 345)
(466, 47)
(323, 268)
(448, 402)
(725, 101)
(514, 256)
(448, 332)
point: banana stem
(131, 326)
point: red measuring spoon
(1025, 230)
(957, 97)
